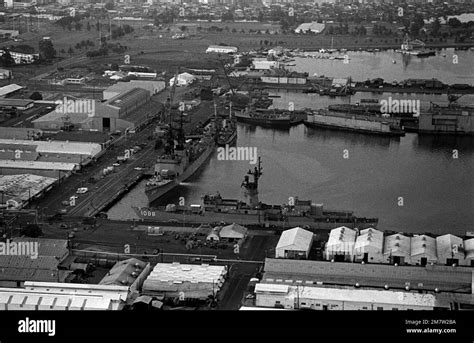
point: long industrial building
(340, 298)
(130, 109)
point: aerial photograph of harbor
(236, 155)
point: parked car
(82, 190)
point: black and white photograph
(183, 168)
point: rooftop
(297, 238)
(447, 278)
(23, 186)
(9, 89)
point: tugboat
(251, 211)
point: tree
(6, 60)
(435, 27)
(46, 50)
(88, 26)
(70, 51)
(109, 6)
(36, 96)
(78, 26)
(454, 22)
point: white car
(82, 190)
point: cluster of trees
(338, 30)
(46, 50)
(167, 17)
(6, 60)
(360, 30)
(27, 49)
(103, 51)
(381, 30)
(121, 31)
(84, 44)
(68, 22)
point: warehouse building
(39, 261)
(369, 246)
(423, 250)
(338, 298)
(78, 153)
(221, 49)
(382, 276)
(182, 80)
(17, 190)
(63, 297)
(56, 170)
(16, 104)
(450, 250)
(153, 87)
(397, 249)
(294, 243)
(131, 109)
(189, 281)
(10, 90)
(264, 64)
(340, 245)
(131, 273)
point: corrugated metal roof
(424, 245)
(397, 244)
(297, 239)
(369, 238)
(23, 186)
(9, 89)
(30, 165)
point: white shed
(423, 250)
(184, 79)
(450, 250)
(214, 234)
(369, 246)
(233, 232)
(294, 243)
(469, 249)
(340, 245)
(397, 249)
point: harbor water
(412, 184)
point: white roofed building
(294, 243)
(183, 79)
(423, 250)
(369, 246)
(450, 250)
(340, 245)
(310, 27)
(397, 249)
(338, 298)
(223, 49)
(233, 232)
(194, 281)
(469, 250)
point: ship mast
(250, 189)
